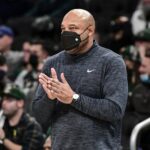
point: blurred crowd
(30, 33)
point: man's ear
(20, 103)
(91, 30)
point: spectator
(120, 34)
(131, 57)
(36, 52)
(27, 80)
(139, 102)
(13, 58)
(40, 48)
(3, 73)
(47, 144)
(26, 51)
(20, 131)
(141, 17)
(143, 45)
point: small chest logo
(89, 71)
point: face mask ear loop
(83, 32)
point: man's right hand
(44, 80)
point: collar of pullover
(88, 53)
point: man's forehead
(71, 23)
(72, 19)
(9, 98)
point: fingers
(46, 78)
(47, 90)
(51, 95)
(48, 82)
(63, 79)
(42, 82)
(55, 86)
(57, 94)
(53, 73)
(54, 81)
(43, 77)
(56, 90)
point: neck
(85, 48)
(14, 120)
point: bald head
(82, 16)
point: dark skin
(55, 88)
(76, 20)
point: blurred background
(30, 32)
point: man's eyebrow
(69, 25)
(72, 25)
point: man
(3, 73)
(141, 17)
(13, 58)
(47, 144)
(40, 48)
(20, 131)
(83, 90)
(143, 46)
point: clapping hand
(55, 88)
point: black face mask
(2, 74)
(33, 61)
(70, 40)
(146, 10)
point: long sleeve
(115, 91)
(42, 106)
